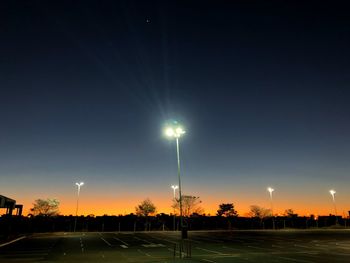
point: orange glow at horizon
(123, 206)
(102, 197)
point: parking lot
(202, 246)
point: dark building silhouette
(10, 204)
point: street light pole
(332, 192)
(178, 174)
(76, 210)
(270, 190)
(174, 223)
(175, 131)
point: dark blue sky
(262, 88)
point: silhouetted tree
(291, 216)
(227, 210)
(190, 205)
(48, 207)
(146, 208)
(259, 212)
(290, 213)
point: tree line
(45, 217)
(191, 205)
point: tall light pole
(174, 187)
(76, 210)
(176, 131)
(270, 190)
(332, 192)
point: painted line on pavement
(163, 239)
(126, 244)
(12, 241)
(210, 239)
(144, 253)
(207, 260)
(296, 260)
(261, 248)
(211, 251)
(144, 240)
(109, 244)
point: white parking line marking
(163, 239)
(30, 254)
(153, 245)
(210, 239)
(13, 241)
(211, 251)
(207, 260)
(277, 246)
(144, 253)
(109, 244)
(307, 247)
(295, 260)
(261, 248)
(126, 244)
(144, 240)
(343, 246)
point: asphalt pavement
(304, 246)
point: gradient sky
(262, 88)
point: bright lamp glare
(174, 130)
(169, 132)
(180, 131)
(332, 192)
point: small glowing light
(332, 192)
(174, 187)
(80, 184)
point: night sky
(261, 87)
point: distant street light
(270, 190)
(176, 131)
(332, 192)
(174, 188)
(76, 210)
